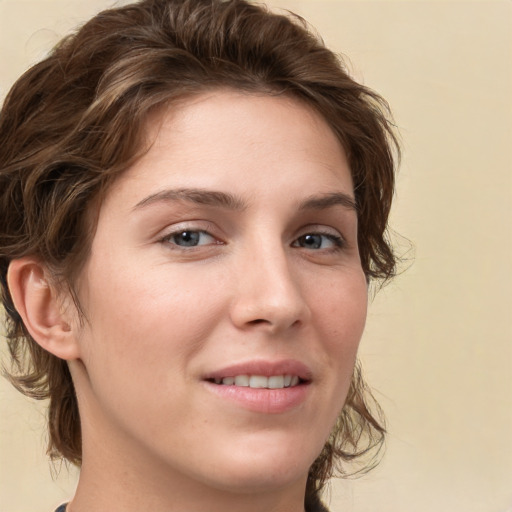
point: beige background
(438, 346)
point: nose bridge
(268, 293)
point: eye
(316, 241)
(190, 238)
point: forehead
(225, 137)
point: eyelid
(190, 225)
(320, 229)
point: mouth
(268, 387)
(259, 381)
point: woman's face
(224, 297)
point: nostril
(262, 321)
(258, 321)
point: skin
(274, 276)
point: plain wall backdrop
(438, 344)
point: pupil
(189, 238)
(314, 241)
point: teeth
(276, 382)
(260, 381)
(242, 380)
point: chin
(266, 466)
(266, 479)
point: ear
(42, 309)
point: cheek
(147, 320)
(340, 315)
(340, 308)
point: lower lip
(262, 400)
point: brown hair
(74, 121)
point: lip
(262, 400)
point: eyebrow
(325, 201)
(232, 202)
(196, 196)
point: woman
(194, 196)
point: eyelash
(169, 238)
(338, 242)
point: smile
(259, 381)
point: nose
(269, 294)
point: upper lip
(262, 367)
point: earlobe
(41, 309)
